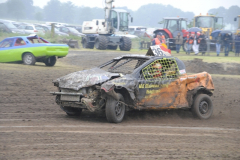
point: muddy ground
(32, 126)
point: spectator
(159, 39)
(202, 43)
(178, 42)
(189, 42)
(237, 44)
(218, 44)
(227, 42)
(196, 43)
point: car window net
(124, 66)
(161, 69)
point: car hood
(85, 78)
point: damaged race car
(155, 81)
(31, 49)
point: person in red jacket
(159, 39)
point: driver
(19, 42)
(157, 70)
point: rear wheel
(184, 46)
(50, 61)
(29, 59)
(70, 111)
(86, 44)
(126, 44)
(115, 110)
(101, 42)
(202, 106)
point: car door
(159, 84)
(6, 50)
(22, 28)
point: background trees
(66, 12)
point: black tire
(184, 46)
(101, 42)
(126, 44)
(87, 45)
(70, 111)
(50, 61)
(202, 106)
(112, 47)
(115, 110)
(29, 59)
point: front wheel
(126, 44)
(29, 59)
(51, 61)
(202, 106)
(115, 110)
(101, 43)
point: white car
(31, 29)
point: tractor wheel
(112, 47)
(126, 44)
(29, 59)
(184, 46)
(70, 111)
(115, 110)
(51, 61)
(87, 45)
(202, 106)
(101, 42)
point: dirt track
(33, 127)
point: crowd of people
(198, 42)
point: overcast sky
(196, 6)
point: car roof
(141, 56)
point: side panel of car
(159, 84)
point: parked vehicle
(31, 49)
(99, 31)
(78, 28)
(237, 19)
(132, 29)
(70, 31)
(31, 29)
(171, 27)
(48, 30)
(7, 26)
(135, 82)
(57, 24)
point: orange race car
(135, 82)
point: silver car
(31, 29)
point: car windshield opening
(124, 66)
